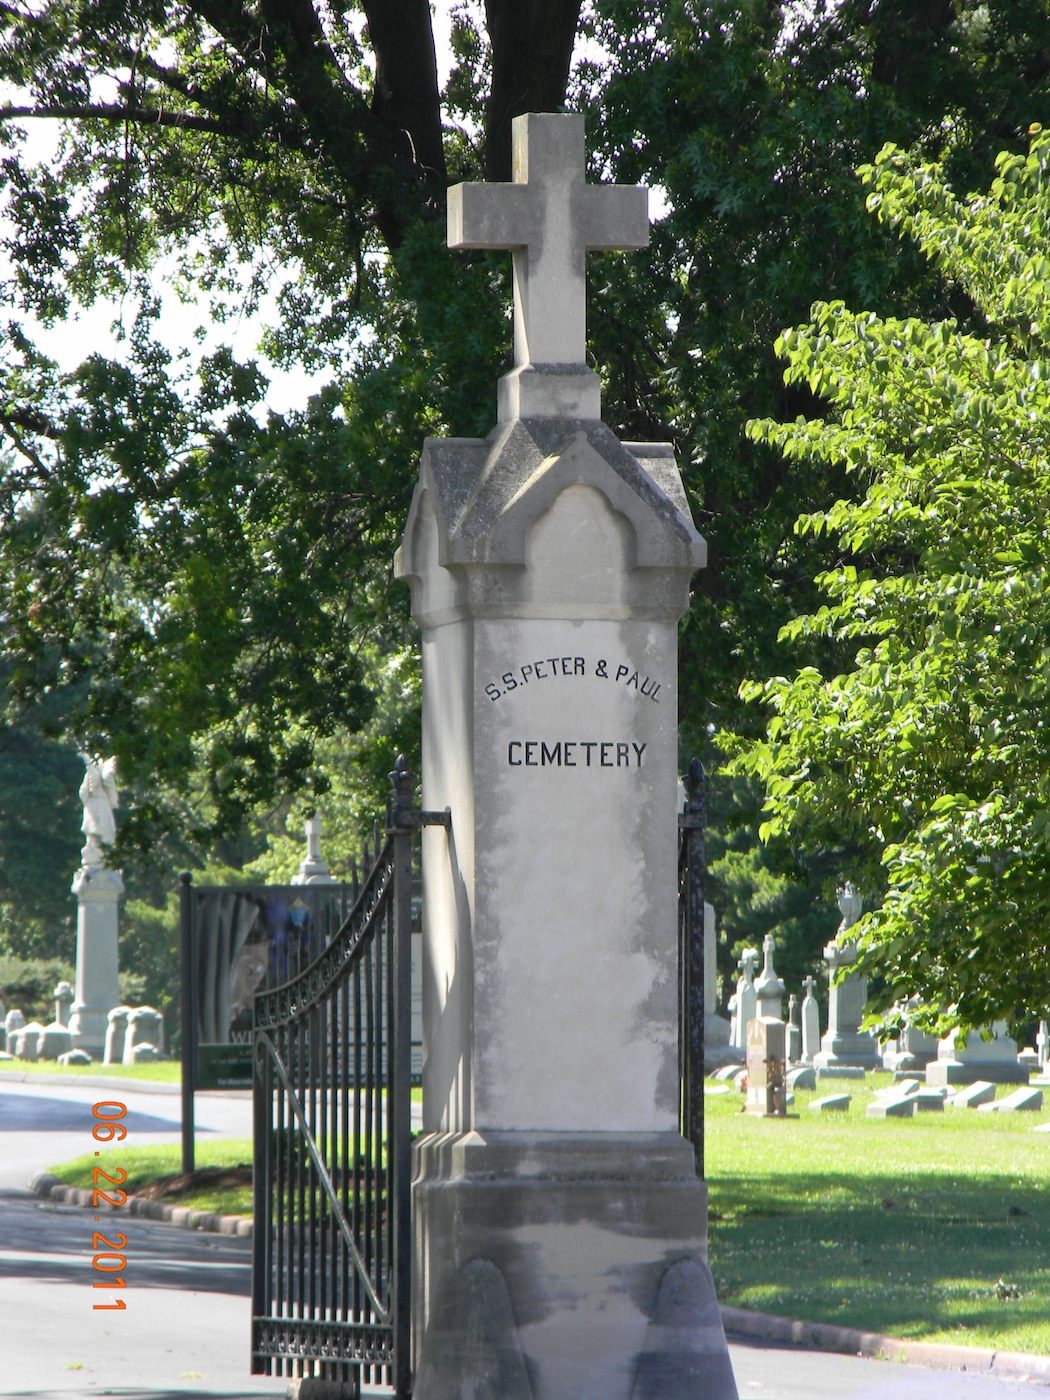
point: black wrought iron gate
(332, 1046)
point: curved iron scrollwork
(332, 1081)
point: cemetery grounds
(935, 1227)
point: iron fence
(691, 870)
(332, 1059)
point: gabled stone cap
(488, 494)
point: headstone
(116, 1030)
(746, 1008)
(1026, 1100)
(810, 1022)
(718, 1050)
(832, 1103)
(1029, 1058)
(75, 1057)
(903, 1107)
(973, 1095)
(794, 1035)
(549, 566)
(27, 1041)
(994, 1059)
(313, 868)
(913, 1049)
(145, 1027)
(13, 1023)
(802, 1077)
(54, 1040)
(844, 1043)
(63, 995)
(766, 1067)
(98, 890)
(1042, 1044)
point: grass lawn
(935, 1227)
(215, 1188)
(161, 1072)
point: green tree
(930, 746)
(198, 579)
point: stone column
(98, 892)
(549, 565)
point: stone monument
(745, 1000)
(769, 988)
(844, 1044)
(766, 1067)
(549, 565)
(994, 1059)
(98, 890)
(313, 868)
(810, 1022)
(913, 1049)
(717, 1049)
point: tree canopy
(198, 583)
(930, 746)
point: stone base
(562, 1266)
(906, 1061)
(87, 1027)
(959, 1072)
(851, 1052)
(840, 1072)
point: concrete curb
(824, 1336)
(92, 1081)
(182, 1217)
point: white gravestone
(844, 1044)
(313, 868)
(810, 1022)
(549, 566)
(769, 988)
(98, 890)
(746, 1000)
(717, 1049)
(913, 1049)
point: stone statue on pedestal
(98, 793)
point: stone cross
(551, 218)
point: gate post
(560, 1226)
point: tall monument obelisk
(98, 890)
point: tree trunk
(532, 43)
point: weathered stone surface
(684, 1351)
(472, 1345)
(583, 1230)
(75, 1057)
(839, 1072)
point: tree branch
(141, 116)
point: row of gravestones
(845, 1050)
(134, 1035)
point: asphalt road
(185, 1329)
